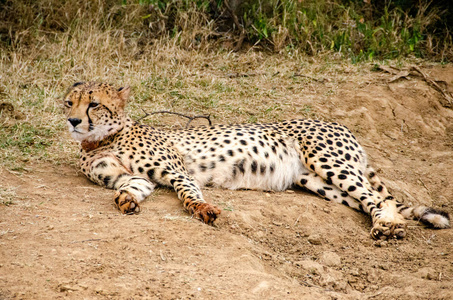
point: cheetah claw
(126, 203)
(385, 230)
(207, 213)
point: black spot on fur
(344, 202)
(101, 165)
(351, 188)
(254, 166)
(240, 166)
(107, 180)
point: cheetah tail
(431, 217)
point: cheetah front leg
(106, 170)
(190, 194)
(193, 201)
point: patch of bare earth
(62, 238)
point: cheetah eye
(68, 103)
(93, 104)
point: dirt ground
(62, 238)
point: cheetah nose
(74, 121)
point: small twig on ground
(434, 84)
(416, 71)
(297, 220)
(402, 74)
(236, 75)
(89, 240)
(208, 117)
(388, 69)
(309, 77)
(424, 185)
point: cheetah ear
(123, 93)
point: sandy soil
(62, 238)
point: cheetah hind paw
(384, 230)
(207, 213)
(126, 203)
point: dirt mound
(62, 238)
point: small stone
(66, 288)
(428, 273)
(310, 266)
(381, 243)
(314, 239)
(330, 259)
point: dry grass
(174, 74)
(232, 87)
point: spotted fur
(322, 157)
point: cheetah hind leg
(376, 182)
(389, 208)
(326, 190)
(387, 222)
(431, 217)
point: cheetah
(324, 158)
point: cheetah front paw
(207, 213)
(383, 230)
(126, 203)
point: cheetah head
(95, 110)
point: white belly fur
(285, 172)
